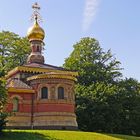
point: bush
(2, 120)
(3, 98)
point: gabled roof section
(17, 86)
(16, 83)
(39, 68)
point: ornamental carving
(53, 92)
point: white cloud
(90, 10)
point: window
(44, 93)
(15, 104)
(38, 49)
(60, 93)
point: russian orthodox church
(40, 96)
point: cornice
(38, 70)
(15, 90)
(52, 76)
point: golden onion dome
(35, 32)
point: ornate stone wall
(51, 113)
(52, 85)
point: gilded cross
(36, 15)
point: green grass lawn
(60, 135)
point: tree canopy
(105, 102)
(3, 98)
(13, 50)
(92, 63)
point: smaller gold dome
(35, 32)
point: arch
(15, 104)
(60, 93)
(16, 96)
(38, 49)
(44, 93)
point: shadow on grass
(11, 135)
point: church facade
(40, 96)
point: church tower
(40, 96)
(36, 35)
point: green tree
(98, 107)
(104, 101)
(99, 72)
(13, 50)
(92, 63)
(130, 102)
(3, 98)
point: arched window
(15, 104)
(38, 50)
(60, 93)
(44, 93)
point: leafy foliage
(13, 50)
(3, 116)
(2, 93)
(105, 102)
(130, 101)
(3, 97)
(109, 108)
(92, 63)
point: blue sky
(114, 23)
